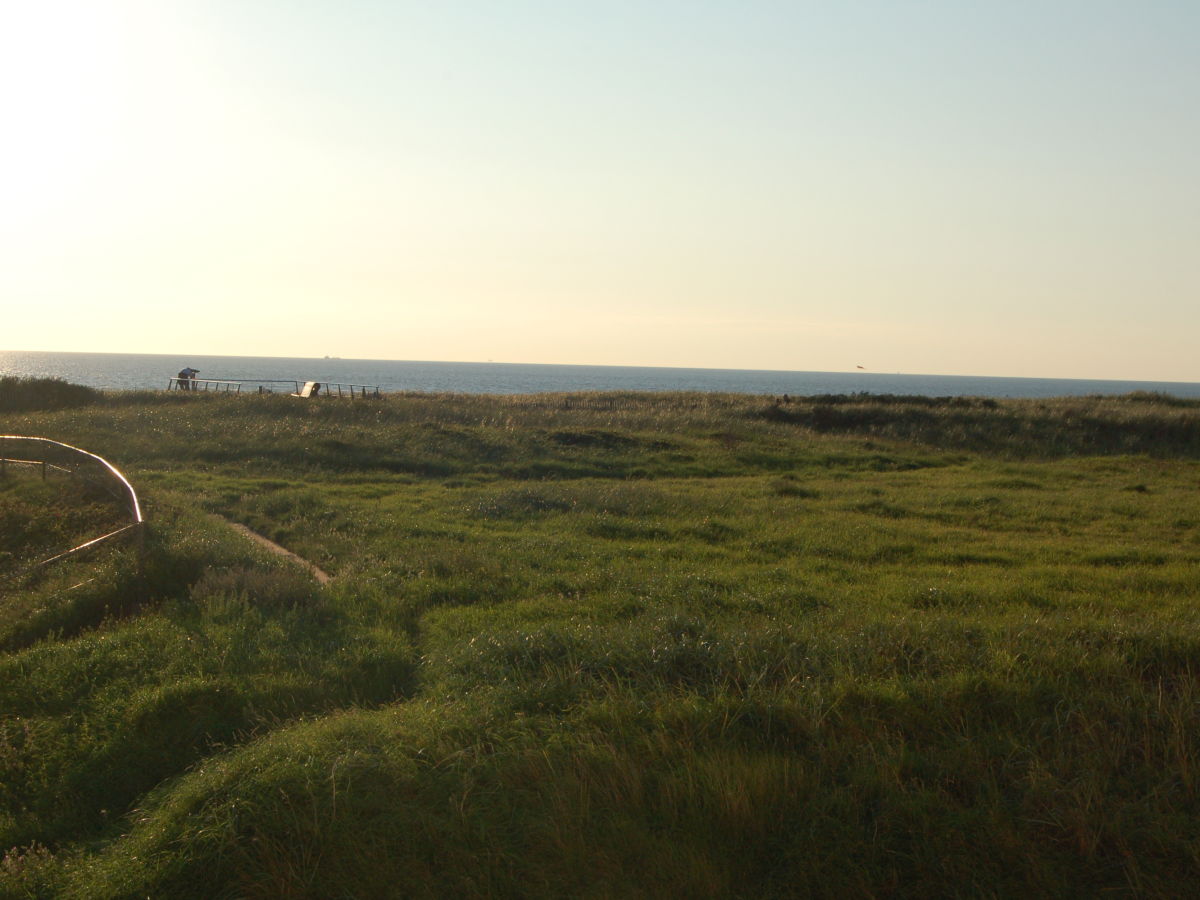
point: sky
(920, 186)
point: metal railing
(48, 455)
(204, 384)
(336, 389)
(263, 382)
(297, 388)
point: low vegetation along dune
(606, 645)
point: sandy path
(322, 576)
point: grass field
(612, 645)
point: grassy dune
(617, 645)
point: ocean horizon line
(156, 371)
(855, 372)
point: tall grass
(39, 518)
(619, 645)
(29, 394)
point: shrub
(30, 394)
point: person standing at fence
(186, 376)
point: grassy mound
(619, 645)
(29, 394)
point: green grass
(27, 394)
(40, 517)
(616, 645)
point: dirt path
(322, 576)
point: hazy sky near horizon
(942, 187)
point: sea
(141, 371)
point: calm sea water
(120, 371)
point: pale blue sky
(937, 187)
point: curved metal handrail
(126, 489)
(57, 455)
